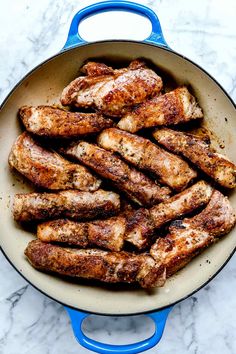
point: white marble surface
(203, 30)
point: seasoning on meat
(177, 106)
(189, 237)
(109, 267)
(107, 233)
(58, 123)
(200, 153)
(135, 184)
(48, 169)
(143, 223)
(112, 92)
(142, 153)
(70, 204)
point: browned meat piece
(142, 224)
(189, 237)
(58, 123)
(72, 204)
(109, 267)
(200, 153)
(177, 106)
(135, 184)
(92, 68)
(96, 69)
(48, 169)
(138, 228)
(169, 168)
(107, 233)
(112, 93)
(185, 202)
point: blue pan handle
(156, 36)
(77, 318)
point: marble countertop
(31, 31)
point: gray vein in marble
(13, 300)
(202, 32)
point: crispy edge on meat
(48, 169)
(53, 122)
(189, 237)
(92, 68)
(143, 223)
(110, 267)
(134, 183)
(107, 233)
(177, 106)
(71, 204)
(200, 153)
(170, 169)
(113, 94)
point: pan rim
(101, 42)
(121, 314)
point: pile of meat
(136, 232)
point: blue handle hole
(118, 330)
(74, 38)
(107, 25)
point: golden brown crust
(58, 123)
(107, 233)
(96, 69)
(111, 267)
(72, 204)
(181, 204)
(218, 218)
(168, 168)
(189, 237)
(140, 228)
(133, 95)
(48, 169)
(143, 222)
(197, 151)
(135, 184)
(137, 64)
(113, 94)
(64, 231)
(177, 106)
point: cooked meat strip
(189, 237)
(177, 106)
(107, 233)
(112, 93)
(72, 204)
(143, 223)
(109, 267)
(200, 153)
(135, 184)
(58, 123)
(169, 168)
(135, 226)
(185, 202)
(47, 169)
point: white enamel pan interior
(43, 86)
